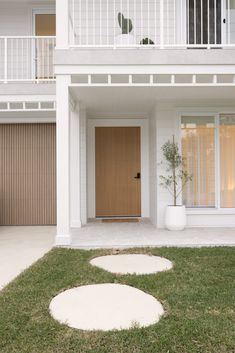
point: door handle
(138, 176)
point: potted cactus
(174, 181)
(125, 38)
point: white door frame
(225, 27)
(143, 124)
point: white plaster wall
(167, 126)
(153, 166)
(232, 24)
(217, 218)
(16, 19)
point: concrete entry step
(138, 264)
(106, 307)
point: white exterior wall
(167, 126)
(232, 17)
(153, 166)
(16, 17)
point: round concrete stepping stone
(132, 264)
(105, 307)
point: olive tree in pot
(126, 38)
(174, 181)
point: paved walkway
(20, 247)
(125, 235)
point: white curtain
(227, 161)
(198, 150)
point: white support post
(62, 24)
(63, 236)
(83, 165)
(75, 169)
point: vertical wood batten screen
(27, 174)
(198, 150)
(227, 161)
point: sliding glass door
(227, 161)
(198, 149)
(208, 149)
(204, 22)
(45, 26)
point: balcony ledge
(145, 56)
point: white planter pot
(125, 39)
(175, 217)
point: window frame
(216, 117)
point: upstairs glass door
(45, 26)
(204, 22)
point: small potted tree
(126, 27)
(174, 181)
(147, 41)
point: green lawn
(198, 296)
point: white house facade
(90, 90)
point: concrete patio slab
(20, 247)
(138, 264)
(97, 235)
(106, 307)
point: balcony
(160, 24)
(27, 59)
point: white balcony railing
(160, 23)
(27, 59)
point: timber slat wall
(27, 174)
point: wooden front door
(118, 183)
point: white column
(75, 169)
(63, 236)
(83, 156)
(62, 24)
